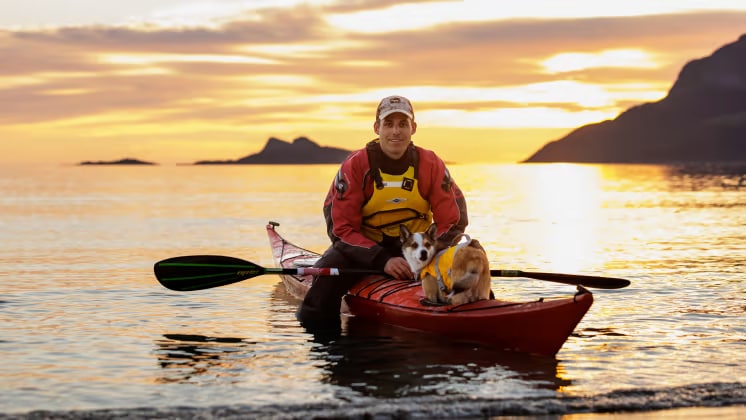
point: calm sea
(85, 325)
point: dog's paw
(428, 302)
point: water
(85, 325)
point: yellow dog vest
(440, 266)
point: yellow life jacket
(440, 266)
(397, 201)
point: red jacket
(353, 187)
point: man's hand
(397, 267)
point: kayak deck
(540, 327)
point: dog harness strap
(444, 282)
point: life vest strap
(415, 215)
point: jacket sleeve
(447, 202)
(343, 213)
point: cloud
(278, 64)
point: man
(387, 183)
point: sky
(176, 81)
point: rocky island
(276, 151)
(702, 119)
(125, 161)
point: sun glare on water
(566, 198)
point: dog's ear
(432, 230)
(404, 233)
(475, 243)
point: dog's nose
(423, 255)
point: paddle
(197, 272)
(576, 279)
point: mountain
(702, 119)
(125, 161)
(300, 151)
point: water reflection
(704, 176)
(366, 360)
(383, 361)
(202, 358)
(559, 214)
(189, 358)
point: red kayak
(539, 327)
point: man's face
(395, 132)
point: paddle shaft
(311, 271)
(593, 281)
(197, 272)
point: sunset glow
(570, 61)
(175, 81)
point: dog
(455, 275)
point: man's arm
(446, 199)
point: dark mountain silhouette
(702, 119)
(276, 151)
(125, 161)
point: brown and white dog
(455, 275)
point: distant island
(276, 151)
(702, 119)
(126, 161)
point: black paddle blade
(197, 272)
(587, 281)
(575, 279)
